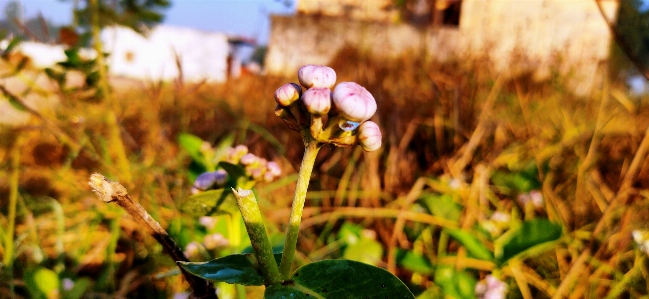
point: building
(543, 37)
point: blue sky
(241, 17)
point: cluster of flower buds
(310, 112)
(258, 169)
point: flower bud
(317, 100)
(191, 249)
(248, 159)
(312, 75)
(215, 240)
(274, 168)
(236, 153)
(268, 177)
(369, 136)
(287, 94)
(354, 102)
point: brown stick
(110, 191)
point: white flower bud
(287, 94)
(312, 75)
(354, 102)
(369, 136)
(317, 100)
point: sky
(247, 18)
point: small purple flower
(312, 75)
(287, 94)
(354, 102)
(317, 100)
(369, 136)
(207, 180)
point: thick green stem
(258, 237)
(304, 176)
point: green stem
(310, 153)
(258, 237)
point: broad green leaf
(42, 283)
(442, 206)
(192, 144)
(475, 248)
(455, 284)
(340, 279)
(531, 233)
(211, 202)
(414, 262)
(237, 268)
(366, 250)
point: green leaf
(192, 144)
(340, 279)
(237, 268)
(366, 250)
(42, 283)
(414, 262)
(442, 206)
(80, 287)
(16, 103)
(456, 284)
(475, 248)
(12, 44)
(211, 202)
(531, 233)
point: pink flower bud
(354, 102)
(312, 75)
(268, 177)
(274, 168)
(317, 100)
(248, 159)
(369, 136)
(287, 94)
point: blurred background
(514, 141)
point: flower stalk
(306, 168)
(257, 232)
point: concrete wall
(569, 36)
